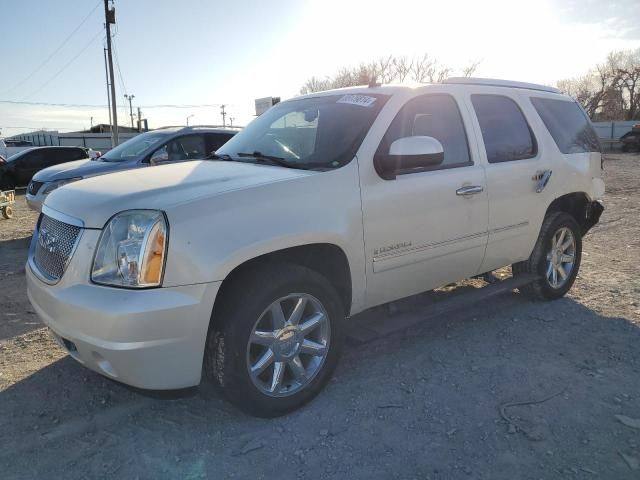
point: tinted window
(567, 124)
(216, 140)
(190, 147)
(434, 116)
(505, 130)
(33, 159)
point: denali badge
(391, 248)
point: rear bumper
(592, 215)
(152, 339)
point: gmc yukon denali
(244, 268)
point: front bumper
(152, 339)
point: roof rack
(493, 82)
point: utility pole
(224, 115)
(139, 120)
(130, 98)
(110, 18)
(106, 73)
(192, 115)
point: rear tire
(255, 325)
(555, 258)
(7, 212)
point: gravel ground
(440, 401)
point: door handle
(469, 190)
(542, 178)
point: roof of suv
(391, 89)
(198, 128)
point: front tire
(275, 339)
(7, 212)
(555, 258)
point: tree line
(390, 69)
(610, 90)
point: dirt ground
(423, 404)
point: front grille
(34, 187)
(54, 247)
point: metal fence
(610, 132)
(96, 141)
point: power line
(37, 69)
(89, 105)
(115, 54)
(65, 65)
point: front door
(425, 228)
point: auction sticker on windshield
(361, 100)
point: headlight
(57, 184)
(131, 250)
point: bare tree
(402, 66)
(611, 90)
(470, 69)
(387, 69)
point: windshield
(319, 132)
(134, 146)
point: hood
(81, 168)
(95, 200)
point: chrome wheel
(288, 345)
(561, 258)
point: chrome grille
(34, 187)
(54, 247)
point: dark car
(165, 145)
(631, 140)
(18, 169)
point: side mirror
(159, 156)
(409, 153)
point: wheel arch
(327, 259)
(579, 206)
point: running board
(365, 328)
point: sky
(198, 54)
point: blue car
(165, 145)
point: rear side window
(567, 124)
(505, 131)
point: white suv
(246, 267)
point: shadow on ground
(419, 404)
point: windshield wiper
(222, 156)
(270, 158)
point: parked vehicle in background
(18, 169)
(165, 145)
(631, 139)
(9, 147)
(247, 268)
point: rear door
(514, 160)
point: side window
(189, 147)
(34, 159)
(505, 131)
(78, 154)
(567, 124)
(437, 116)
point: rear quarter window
(567, 124)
